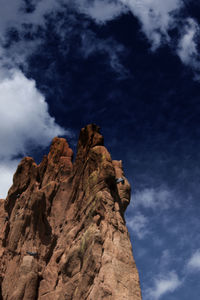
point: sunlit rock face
(63, 234)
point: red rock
(63, 234)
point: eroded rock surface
(63, 234)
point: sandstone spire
(63, 233)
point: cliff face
(63, 234)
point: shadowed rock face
(63, 234)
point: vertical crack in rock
(62, 228)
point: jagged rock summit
(63, 234)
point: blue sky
(132, 67)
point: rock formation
(63, 233)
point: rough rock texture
(63, 234)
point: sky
(133, 68)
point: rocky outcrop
(63, 234)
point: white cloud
(187, 47)
(7, 170)
(153, 198)
(155, 16)
(163, 285)
(138, 224)
(194, 262)
(25, 123)
(101, 11)
(25, 120)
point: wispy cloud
(165, 259)
(13, 14)
(188, 44)
(193, 264)
(138, 224)
(157, 17)
(163, 284)
(154, 198)
(101, 11)
(92, 45)
(19, 23)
